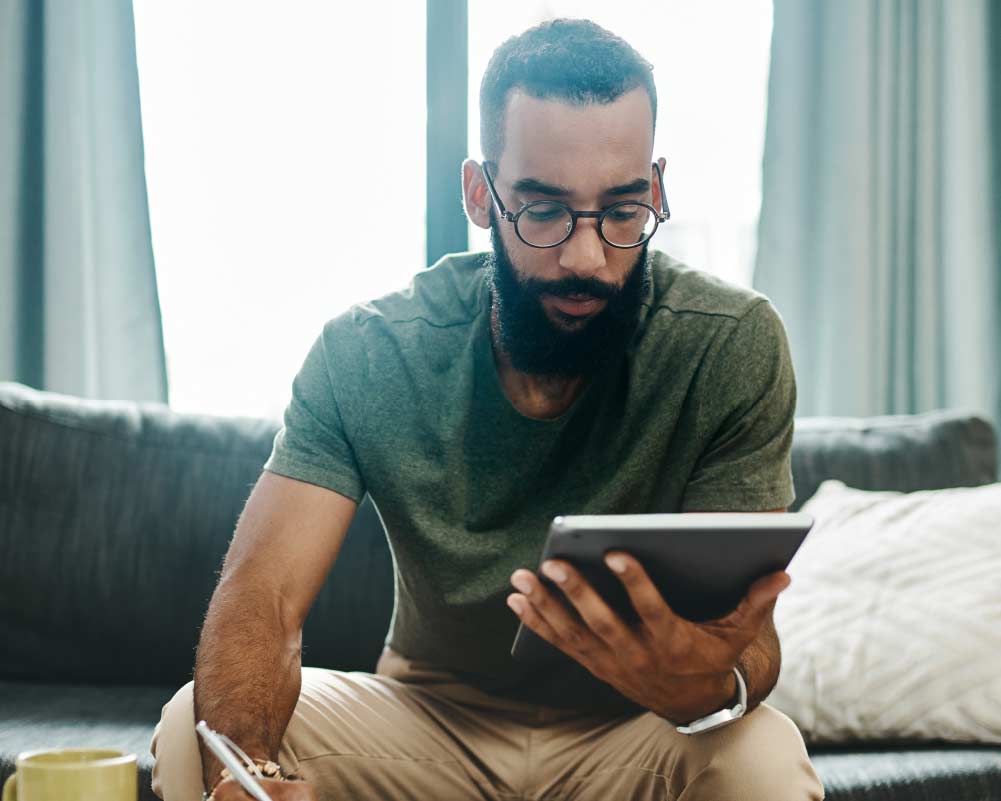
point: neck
(538, 396)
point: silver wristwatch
(723, 716)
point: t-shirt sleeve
(312, 445)
(747, 398)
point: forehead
(583, 146)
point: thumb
(765, 591)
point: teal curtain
(79, 311)
(879, 232)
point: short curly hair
(568, 59)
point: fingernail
(516, 604)
(555, 572)
(522, 584)
(616, 563)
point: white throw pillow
(891, 628)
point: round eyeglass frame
(513, 217)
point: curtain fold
(79, 311)
(879, 239)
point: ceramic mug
(73, 774)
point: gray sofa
(114, 518)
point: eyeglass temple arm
(665, 209)
(493, 192)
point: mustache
(571, 285)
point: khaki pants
(412, 732)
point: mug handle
(10, 788)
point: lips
(576, 305)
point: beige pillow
(891, 628)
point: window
(272, 131)
(711, 66)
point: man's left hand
(678, 669)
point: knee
(177, 766)
(761, 757)
(177, 723)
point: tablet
(702, 563)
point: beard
(535, 344)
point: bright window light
(710, 62)
(285, 161)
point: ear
(475, 196)
(657, 202)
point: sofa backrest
(115, 516)
(114, 519)
(906, 453)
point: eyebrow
(637, 187)
(536, 187)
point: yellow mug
(73, 774)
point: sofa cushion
(899, 452)
(891, 627)
(908, 772)
(67, 715)
(114, 518)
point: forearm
(248, 673)
(759, 664)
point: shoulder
(700, 319)
(425, 319)
(677, 289)
(448, 293)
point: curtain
(79, 311)
(879, 236)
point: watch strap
(723, 716)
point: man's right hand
(230, 790)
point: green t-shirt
(400, 398)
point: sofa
(114, 518)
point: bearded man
(569, 370)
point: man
(568, 371)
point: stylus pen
(237, 770)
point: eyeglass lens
(545, 224)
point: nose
(583, 254)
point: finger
(759, 601)
(763, 593)
(591, 607)
(292, 791)
(644, 595)
(768, 588)
(526, 614)
(230, 790)
(572, 633)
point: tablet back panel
(703, 571)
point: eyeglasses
(548, 223)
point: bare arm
(762, 659)
(759, 664)
(248, 669)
